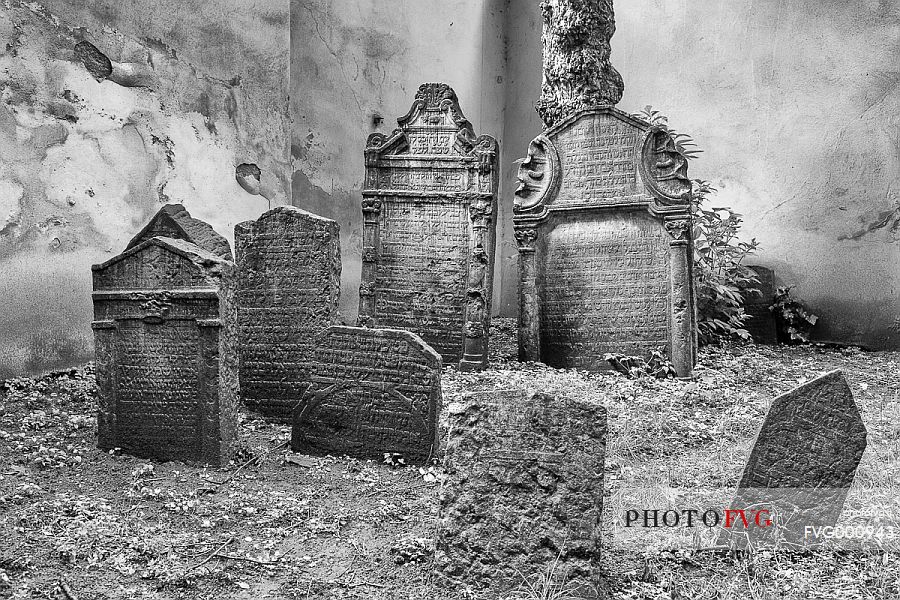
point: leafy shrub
(634, 367)
(792, 318)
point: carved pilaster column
(577, 70)
(478, 290)
(529, 305)
(371, 208)
(682, 351)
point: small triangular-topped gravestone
(802, 464)
(174, 221)
(760, 321)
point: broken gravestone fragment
(373, 392)
(523, 494)
(802, 463)
(165, 335)
(430, 210)
(174, 221)
(760, 321)
(288, 285)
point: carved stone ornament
(525, 238)
(679, 229)
(664, 168)
(537, 175)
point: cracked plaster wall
(195, 89)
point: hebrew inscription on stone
(524, 487)
(288, 284)
(602, 220)
(429, 207)
(803, 462)
(165, 335)
(372, 392)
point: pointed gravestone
(523, 495)
(601, 215)
(174, 221)
(760, 320)
(373, 392)
(429, 210)
(289, 280)
(165, 336)
(802, 463)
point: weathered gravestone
(288, 284)
(760, 321)
(601, 216)
(802, 463)
(165, 334)
(372, 392)
(524, 490)
(174, 221)
(429, 208)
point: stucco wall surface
(196, 89)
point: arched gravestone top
(174, 221)
(803, 461)
(288, 280)
(372, 391)
(602, 221)
(429, 208)
(164, 327)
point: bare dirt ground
(286, 526)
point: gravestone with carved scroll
(429, 209)
(288, 284)
(523, 492)
(601, 214)
(165, 335)
(372, 392)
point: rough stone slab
(804, 460)
(430, 212)
(174, 221)
(524, 486)
(165, 336)
(289, 282)
(372, 391)
(761, 321)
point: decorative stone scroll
(174, 221)
(429, 210)
(602, 222)
(802, 463)
(524, 492)
(165, 335)
(288, 285)
(372, 392)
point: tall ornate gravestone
(802, 464)
(601, 214)
(373, 392)
(165, 333)
(174, 221)
(524, 492)
(429, 208)
(288, 284)
(760, 320)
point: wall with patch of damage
(111, 108)
(796, 104)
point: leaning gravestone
(174, 221)
(760, 321)
(524, 492)
(373, 392)
(288, 284)
(164, 331)
(429, 208)
(601, 216)
(803, 462)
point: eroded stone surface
(165, 336)
(174, 221)
(803, 461)
(603, 227)
(429, 206)
(289, 282)
(373, 391)
(524, 486)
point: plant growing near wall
(722, 279)
(792, 318)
